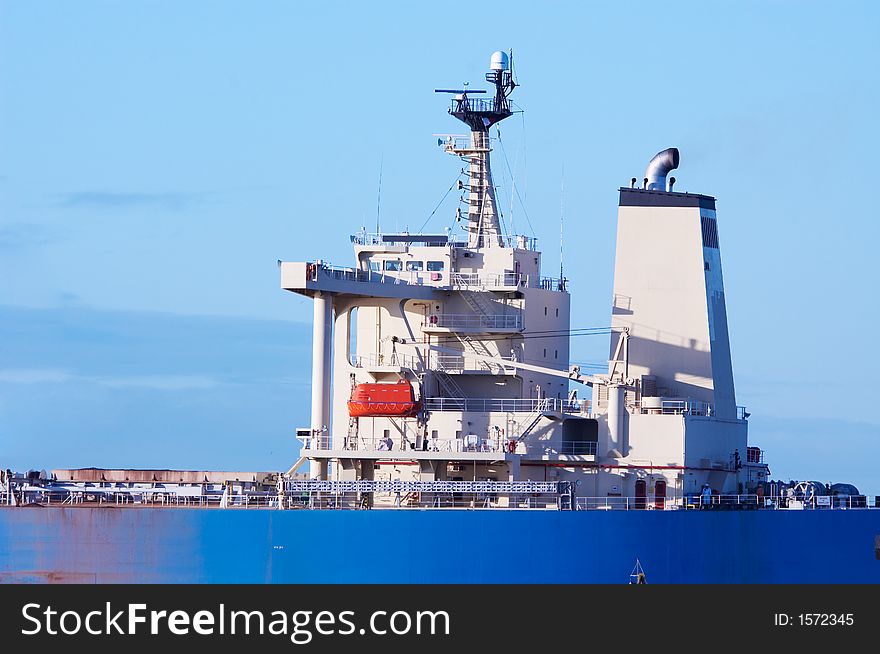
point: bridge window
(415, 265)
(393, 264)
(436, 266)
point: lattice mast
(484, 224)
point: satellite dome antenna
(479, 114)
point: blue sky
(157, 158)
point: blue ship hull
(108, 545)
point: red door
(660, 494)
(641, 493)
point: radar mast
(479, 114)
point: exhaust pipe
(658, 167)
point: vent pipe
(670, 184)
(632, 183)
(658, 167)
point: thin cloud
(15, 236)
(35, 376)
(152, 382)
(173, 201)
(162, 382)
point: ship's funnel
(659, 167)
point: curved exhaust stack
(658, 167)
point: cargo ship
(450, 440)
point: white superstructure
(440, 360)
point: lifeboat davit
(388, 400)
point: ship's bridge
(413, 265)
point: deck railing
(502, 405)
(474, 321)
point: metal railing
(428, 240)
(722, 502)
(488, 279)
(375, 360)
(480, 281)
(548, 283)
(466, 103)
(574, 448)
(184, 496)
(459, 363)
(398, 494)
(316, 442)
(474, 321)
(356, 275)
(408, 446)
(504, 405)
(682, 407)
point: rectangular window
(393, 264)
(415, 265)
(436, 266)
(374, 266)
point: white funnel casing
(670, 298)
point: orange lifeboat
(378, 400)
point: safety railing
(401, 446)
(460, 363)
(713, 502)
(574, 448)
(487, 279)
(660, 406)
(316, 442)
(665, 503)
(375, 360)
(183, 495)
(399, 494)
(548, 283)
(474, 321)
(419, 240)
(505, 405)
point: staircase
(352, 436)
(525, 426)
(480, 348)
(477, 301)
(519, 429)
(448, 386)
